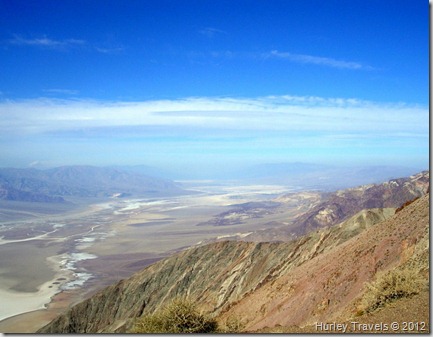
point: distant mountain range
(53, 185)
(322, 177)
(295, 174)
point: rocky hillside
(318, 276)
(327, 288)
(339, 206)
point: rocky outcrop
(326, 287)
(339, 206)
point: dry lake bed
(52, 256)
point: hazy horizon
(282, 173)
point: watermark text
(371, 327)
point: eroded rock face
(340, 205)
(214, 275)
(316, 276)
(325, 288)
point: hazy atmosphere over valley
(275, 135)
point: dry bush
(180, 316)
(232, 325)
(390, 286)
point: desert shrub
(390, 286)
(179, 316)
(232, 325)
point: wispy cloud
(317, 60)
(210, 32)
(287, 56)
(46, 42)
(61, 44)
(109, 50)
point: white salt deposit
(79, 277)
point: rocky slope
(318, 276)
(326, 288)
(339, 206)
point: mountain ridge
(320, 176)
(338, 206)
(55, 184)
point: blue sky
(213, 83)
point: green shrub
(390, 286)
(179, 316)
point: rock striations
(339, 206)
(319, 276)
(326, 287)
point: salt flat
(105, 241)
(31, 294)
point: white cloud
(45, 42)
(109, 50)
(291, 57)
(318, 60)
(272, 114)
(211, 130)
(63, 44)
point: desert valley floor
(55, 255)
